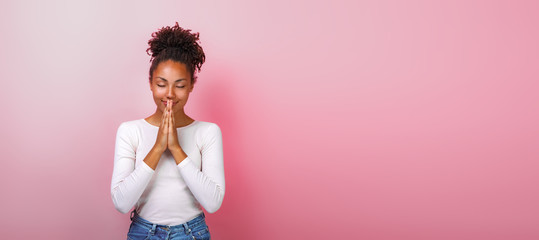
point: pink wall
(343, 120)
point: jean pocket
(137, 236)
(137, 232)
(201, 234)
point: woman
(169, 165)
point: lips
(164, 102)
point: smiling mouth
(173, 103)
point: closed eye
(180, 86)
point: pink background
(349, 119)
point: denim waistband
(180, 227)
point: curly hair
(177, 44)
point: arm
(128, 183)
(208, 185)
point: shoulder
(129, 126)
(208, 126)
(208, 129)
(128, 132)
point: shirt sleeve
(128, 183)
(208, 185)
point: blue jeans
(143, 229)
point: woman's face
(171, 80)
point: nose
(170, 93)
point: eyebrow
(181, 79)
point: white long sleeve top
(172, 193)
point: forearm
(178, 154)
(152, 159)
(128, 185)
(208, 188)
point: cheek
(183, 94)
(158, 93)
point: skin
(170, 85)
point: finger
(163, 117)
(171, 116)
(173, 120)
(167, 123)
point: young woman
(168, 165)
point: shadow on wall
(222, 106)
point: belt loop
(152, 231)
(186, 228)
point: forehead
(171, 69)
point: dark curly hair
(177, 44)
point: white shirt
(171, 194)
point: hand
(162, 135)
(172, 139)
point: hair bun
(173, 38)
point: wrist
(178, 154)
(175, 150)
(158, 149)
